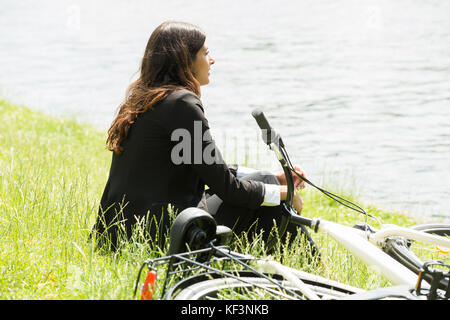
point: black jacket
(144, 179)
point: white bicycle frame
(364, 245)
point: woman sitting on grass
(163, 154)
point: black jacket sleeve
(187, 121)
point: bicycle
(389, 250)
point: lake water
(359, 90)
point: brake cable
(335, 197)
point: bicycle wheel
(413, 254)
(248, 287)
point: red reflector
(149, 286)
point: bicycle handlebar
(274, 141)
(269, 135)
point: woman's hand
(297, 201)
(298, 182)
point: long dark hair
(165, 68)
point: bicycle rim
(202, 287)
(413, 254)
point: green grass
(52, 174)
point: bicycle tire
(206, 287)
(406, 252)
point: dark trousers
(253, 222)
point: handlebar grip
(261, 120)
(269, 135)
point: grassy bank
(52, 174)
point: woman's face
(201, 65)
